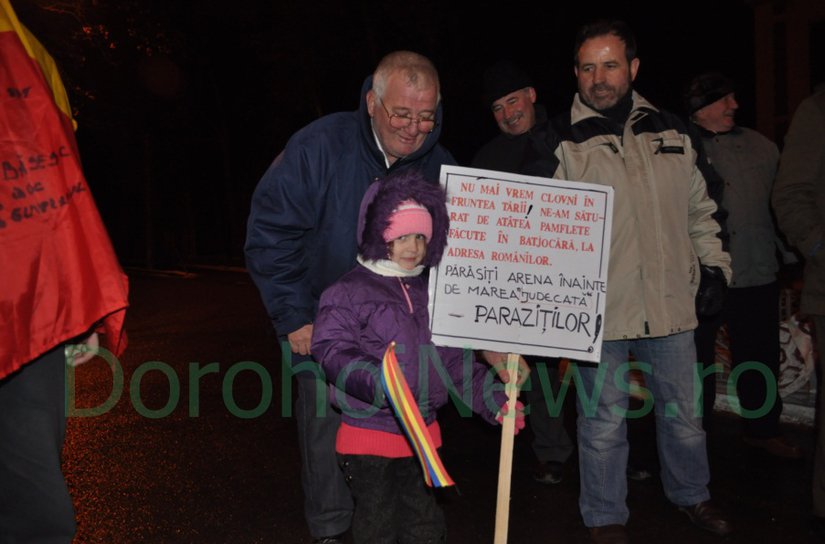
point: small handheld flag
(406, 408)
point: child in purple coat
(402, 230)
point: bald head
(415, 70)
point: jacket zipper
(406, 295)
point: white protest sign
(525, 268)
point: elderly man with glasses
(301, 238)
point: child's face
(408, 251)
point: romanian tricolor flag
(59, 275)
(406, 408)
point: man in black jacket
(510, 94)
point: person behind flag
(402, 230)
(63, 296)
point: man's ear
(634, 68)
(371, 97)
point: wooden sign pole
(505, 465)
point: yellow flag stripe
(10, 23)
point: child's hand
(519, 415)
(499, 362)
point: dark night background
(182, 105)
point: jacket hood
(366, 129)
(383, 196)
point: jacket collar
(581, 111)
(710, 134)
(387, 268)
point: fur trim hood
(383, 196)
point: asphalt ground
(188, 438)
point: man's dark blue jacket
(301, 229)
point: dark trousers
(35, 505)
(327, 500)
(393, 505)
(752, 317)
(550, 439)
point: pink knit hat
(409, 217)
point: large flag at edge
(59, 274)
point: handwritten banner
(25, 188)
(525, 270)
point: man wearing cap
(747, 162)
(510, 94)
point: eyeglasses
(424, 124)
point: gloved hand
(519, 415)
(712, 290)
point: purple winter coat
(358, 318)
